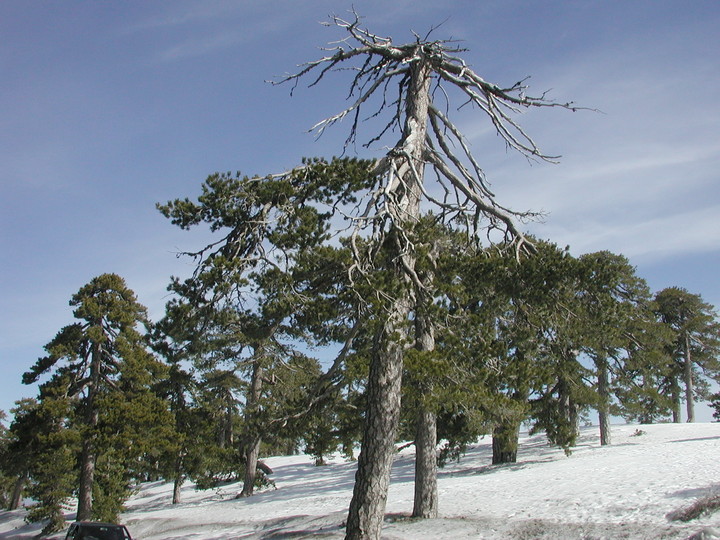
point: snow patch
(626, 490)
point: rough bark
(367, 507)
(252, 441)
(87, 477)
(88, 455)
(179, 479)
(604, 421)
(505, 441)
(689, 383)
(426, 492)
(676, 403)
(604, 407)
(177, 485)
(16, 497)
(252, 452)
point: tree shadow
(711, 489)
(697, 439)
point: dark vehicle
(87, 530)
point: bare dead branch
(460, 176)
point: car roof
(97, 524)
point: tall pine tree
(102, 365)
(695, 350)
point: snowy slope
(622, 491)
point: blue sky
(109, 107)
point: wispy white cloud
(639, 178)
(202, 28)
(652, 240)
(186, 13)
(200, 46)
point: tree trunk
(177, 486)
(604, 421)
(505, 441)
(604, 407)
(252, 440)
(264, 467)
(426, 491)
(89, 452)
(367, 507)
(252, 453)
(574, 417)
(225, 438)
(689, 383)
(676, 400)
(569, 411)
(228, 434)
(87, 477)
(179, 478)
(16, 498)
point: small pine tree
(715, 404)
(49, 447)
(321, 437)
(6, 473)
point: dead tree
(411, 85)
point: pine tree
(272, 215)
(44, 449)
(102, 366)
(6, 472)
(200, 426)
(643, 376)
(613, 302)
(715, 404)
(274, 226)
(15, 457)
(696, 344)
(521, 311)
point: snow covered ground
(622, 491)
